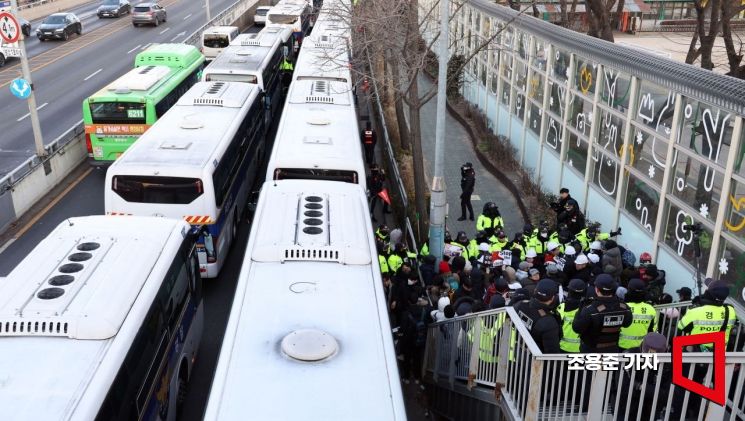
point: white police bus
(102, 320)
(318, 135)
(308, 336)
(198, 162)
(296, 14)
(255, 58)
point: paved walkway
(459, 150)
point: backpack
(420, 329)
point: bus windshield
(118, 112)
(152, 189)
(217, 77)
(315, 174)
(216, 40)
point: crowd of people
(574, 287)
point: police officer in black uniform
(599, 324)
(467, 183)
(540, 317)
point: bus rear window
(315, 174)
(152, 189)
(216, 77)
(283, 19)
(216, 40)
(118, 112)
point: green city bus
(118, 114)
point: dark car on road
(25, 26)
(59, 26)
(113, 8)
(148, 13)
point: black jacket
(468, 182)
(599, 324)
(543, 323)
(585, 274)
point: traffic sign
(20, 88)
(10, 30)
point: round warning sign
(10, 30)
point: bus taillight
(88, 145)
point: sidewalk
(52, 6)
(459, 150)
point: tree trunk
(398, 79)
(733, 58)
(617, 16)
(572, 15)
(417, 155)
(563, 8)
(388, 101)
(692, 50)
(599, 16)
(707, 42)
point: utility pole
(207, 8)
(35, 125)
(438, 203)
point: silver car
(148, 13)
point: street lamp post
(438, 202)
(26, 71)
(207, 8)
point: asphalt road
(64, 73)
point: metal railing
(31, 163)
(494, 350)
(226, 17)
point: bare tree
(714, 19)
(389, 34)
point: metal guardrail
(694, 82)
(30, 164)
(227, 16)
(494, 350)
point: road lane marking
(164, 31)
(130, 51)
(145, 46)
(51, 204)
(187, 16)
(92, 74)
(44, 59)
(37, 109)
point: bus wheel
(180, 396)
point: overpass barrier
(28, 183)
(493, 354)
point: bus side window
(285, 51)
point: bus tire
(181, 394)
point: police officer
(712, 316)
(540, 317)
(376, 184)
(588, 235)
(467, 184)
(572, 217)
(567, 311)
(473, 245)
(368, 141)
(490, 219)
(599, 324)
(286, 68)
(644, 316)
(383, 233)
(498, 242)
(461, 240)
(382, 258)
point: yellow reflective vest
(484, 222)
(707, 319)
(570, 339)
(644, 318)
(488, 339)
(383, 264)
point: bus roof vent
(319, 99)
(139, 79)
(324, 41)
(44, 312)
(243, 53)
(319, 93)
(312, 237)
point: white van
(215, 38)
(260, 16)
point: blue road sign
(20, 88)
